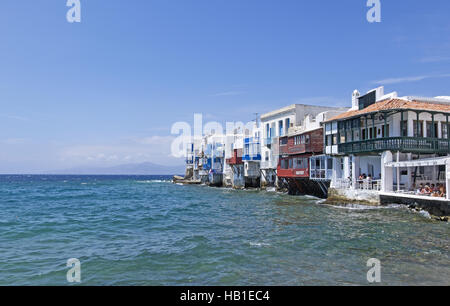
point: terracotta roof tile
(393, 104)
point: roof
(393, 104)
(278, 111)
(435, 161)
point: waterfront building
(234, 160)
(214, 156)
(252, 156)
(276, 124)
(195, 161)
(388, 144)
(301, 157)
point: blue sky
(107, 90)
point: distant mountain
(127, 169)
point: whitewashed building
(381, 133)
(276, 124)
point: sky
(107, 90)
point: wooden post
(401, 125)
(398, 172)
(385, 126)
(447, 169)
(367, 129)
(374, 133)
(417, 125)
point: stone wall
(433, 207)
(343, 196)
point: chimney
(355, 102)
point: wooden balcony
(236, 159)
(293, 173)
(402, 144)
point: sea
(144, 230)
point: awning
(436, 161)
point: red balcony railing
(293, 173)
(236, 159)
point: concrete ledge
(438, 207)
(343, 196)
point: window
(418, 128)
(302, 163)
(383, 129)
(430, 130)
(334, 139)
(291, 163)
(445, 129)
(307, 139)
(403, 128)
(329, 163)
(349, 135)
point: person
(435, 190)
(423, 190)
(420, 189)
(427, 189)
(442, 191)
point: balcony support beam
(374, 133)
(386, 172)
(385, 125)
(417, 125)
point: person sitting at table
(442, 191)
(420, 189)
(426, 189)
(434, 190)
(369, 177)
(423, 190)
(360, 178)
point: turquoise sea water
(143, 230)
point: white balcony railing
(268, 164)
(360, 184)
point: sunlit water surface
(143, 230)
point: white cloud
(228, 93)
(14, 141)
(435, 59)
(409, 79)
(14, 117)
(133, 150)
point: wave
(153, 181)
(259, 244)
